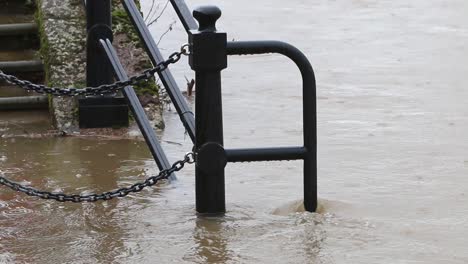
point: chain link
(99, 90)
(189, 158)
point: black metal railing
(108, 110)
(186, 115)
(98, 26)
(99, 49)
(209, 51)
(137, 109)
(308, 152)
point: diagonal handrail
(137, 109)
(212, 50)
(184, 111)
(184, 14)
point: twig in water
(190, 85)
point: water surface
(392, 151)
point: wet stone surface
(63, 50)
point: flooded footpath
(393, 154)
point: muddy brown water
(393, 153)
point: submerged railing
(209, 50)
(208, 56)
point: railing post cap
(207, 17)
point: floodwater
(393, 153)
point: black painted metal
(137, 110)
(209, 51)
(185, 15)
(208, 58)
(100, 111)
(266, 154)
(211, 159)
(309, 106)
(98, 12)
(308, 152)
(99, 26)
(184, 111)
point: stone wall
(62, 26)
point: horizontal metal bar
(137, 110)
(266, 154)
(185, 15)
(309, 105)
(184, 111)
(264, 47)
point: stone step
(17, 7)
(9, 90)
(18, 29)
(15, 19)
(31, 70)
(34, 77)
(20, 42)
(19, 55)
(26, 122)
(13, 91)
(19, 36)
(24, 102)
(12, 67)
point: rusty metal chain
(99, 90)
(189, 158)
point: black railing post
(208, 58)
(99, 26)
(100, 111)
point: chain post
(107, 110)
(99, 26)
(208, 58)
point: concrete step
(24, 102)
(26, 122)
(19, 55)
(12, 67)
(15, 19)
(27, 70)
(19, 36)
(18, 29)
(17, 7)
(10, 90)
(34, 77)
(32, 70)
(13, 91)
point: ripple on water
(15, 211)
(298, 207)
(7, 258)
